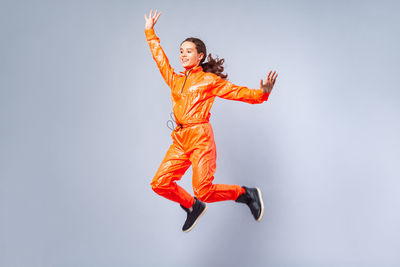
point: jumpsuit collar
(192, 70)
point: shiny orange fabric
(193, 93)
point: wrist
(150, 34)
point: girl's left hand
(269, 82)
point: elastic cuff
(265, 96)
(242, 191)
(150, 34)
(191, 203)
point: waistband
(187, 125)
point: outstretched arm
(156, 50)
(228, 90)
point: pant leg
(203, 158)
(172, 168)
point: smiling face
(189, 56)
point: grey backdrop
(83, 113)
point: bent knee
(154, 186)
(160, 185)
(157, 186)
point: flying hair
(213, 65)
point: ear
(201, 56)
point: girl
(193, 93)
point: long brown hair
(213, 65)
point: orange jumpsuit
(193, 93)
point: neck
(190, 68)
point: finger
(151, 13)
(275, 75)
(155, 14)
(269, 74)
(261, 83)
(145, 17)
(275, 78)
(155, 20)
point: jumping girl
(193, 93)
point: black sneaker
(253, 199)
(193, 214)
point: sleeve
(159, 56)
(228, 90)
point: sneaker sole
(262, 205)
(195, 222)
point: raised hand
(269, 82)
(152, 19)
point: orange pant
(192, 145)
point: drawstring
(171, 122)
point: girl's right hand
(152, 19)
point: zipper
(185, 81)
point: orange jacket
(193, 91)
